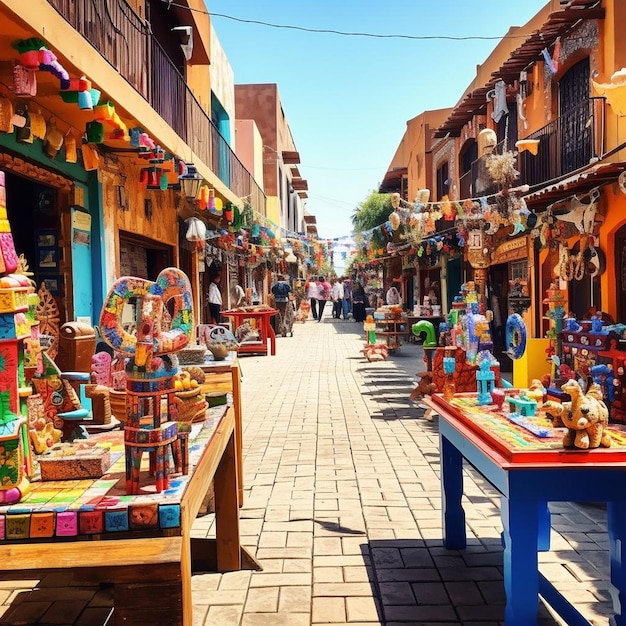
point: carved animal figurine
(375, 351)
(425, 386)
(585, 417)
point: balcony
(476, 181)
(125, 41)
(565, 145)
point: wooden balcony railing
(125, 41)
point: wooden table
(142, 543)
(529, 472)
(260, 320)
(225, 375)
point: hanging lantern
(228, 213)
(196, 230)
(154, 178)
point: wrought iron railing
(568, 143)
(124, 39)
(565, 145)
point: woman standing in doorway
(214, 299)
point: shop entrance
(35, 218)
(498, 291)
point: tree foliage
(373, 211)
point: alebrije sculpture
(586, 417)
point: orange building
(548, 106)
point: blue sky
(347, 99)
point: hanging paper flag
(548, 60)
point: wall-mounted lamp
(186, 40)
(190, 181)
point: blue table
(529, 472)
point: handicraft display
(151, 406)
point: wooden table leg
(520, 521)
(454, 535)
(227, 511)
(616, 512)
(272, 336)
(236, 374)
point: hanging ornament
(196, 230)
(395, 200)
(394, 220)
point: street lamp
(190, 181)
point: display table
(259, 320)
(391, 332)
(529, 471)
(141, 544)
(225, 375)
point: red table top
(513, 444)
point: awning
(559, 22)
(578, 183)
(391, 181)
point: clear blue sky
(347, 99)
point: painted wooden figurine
(151, 367)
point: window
(443, 181)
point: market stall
(516, 447)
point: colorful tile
(67, 523)
(42, 524)
(116, 521)
(91, 522)
(18, 526)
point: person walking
(359, 298)
(336, 295)
(214, 299)
(347, 298)
(311, 294)
(323, 295)
(281, 290)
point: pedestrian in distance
(281, 290)
(323, 296)
(311, 294)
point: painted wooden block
(169, 516)
(67, 461)
(116, 521)
(42, 524)
(91, 522)
(18, 526)
(143, 515)
(67, 524)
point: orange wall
(615, 218)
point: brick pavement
(342, 510)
